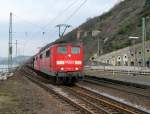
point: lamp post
(98, 47)
(144, 38)
(134, 38)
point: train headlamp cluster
(62, 68)
(63, 62)
(78, 62)
(76, 68)
(60, 62)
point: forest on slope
(115, 26)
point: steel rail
(127, 109)
(81, 107)
(85, 102)
(98, 82)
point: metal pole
(134, 53)
(59, 31)
(143, 41)
(98, 47)
(59, 27)
(16, 47)
(10, 44)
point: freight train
(62, 61)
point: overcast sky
(33, 17)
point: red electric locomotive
(62, 61)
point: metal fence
(3, 70)
(6, 70)
(121, 69)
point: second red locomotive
(62, 61)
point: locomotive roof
(59, 41)
(50, 44)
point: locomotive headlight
(61, 68)
(76, 68)
(78, 62)
(60, 62)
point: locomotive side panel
(37, 63)
(47, 60)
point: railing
(121, 69)
(5, 70)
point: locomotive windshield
(75, 50)
(62, 50)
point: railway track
(85, 100)
(139, 90)
(102, 104)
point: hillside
(122, 21)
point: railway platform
(143, 80)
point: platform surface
(138, 79)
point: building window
(107, 61)
(148, 64)
(140, 63)
(126, 63)
(119, 63)
(132, 54)
(132, 63)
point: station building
(129, 56)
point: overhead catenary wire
(27, 21)
(58, 16)
(43, 30)
(76, 10)
(61, 13)
(45, 27)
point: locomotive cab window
(62, 50)
(48, 53)
(41, 56)
(75, 50)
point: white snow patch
(5, 76)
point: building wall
(129, 56)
